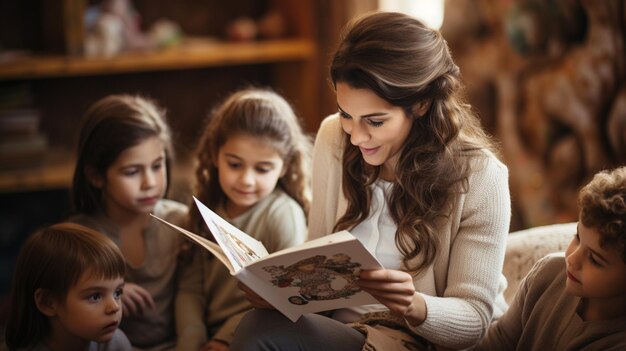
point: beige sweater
(463, 288)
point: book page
(215, 249)
(240, 248)
(317, 276)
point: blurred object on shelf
(114, 27)
(7, 56)
(271, 25)
(242, 29)
(21, 142)
(165, 33)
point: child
(576, 301)
(253, 170)
(67, 291)
(121, 176)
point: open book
(318, 275)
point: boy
(575, 301)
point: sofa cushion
(525, 247)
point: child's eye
(263, 170)
(375, 123)
(157, 166)
(118, 294)
(234, 165)
(594, 261)
(131, 172)
(95, 297)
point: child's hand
(214, 345)
(254, 299)
(395, 290)
(136, 300)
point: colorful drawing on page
(318, 278)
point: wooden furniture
(188, 79)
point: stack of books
(22, 144)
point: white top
(378, 226)
(463, 287)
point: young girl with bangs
(253, 170)
(66, 293)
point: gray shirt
(155, 329)
(119, 342)
(543, 316)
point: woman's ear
(94, 178)
(420, 108)
(45, 303)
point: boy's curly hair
(602, 205)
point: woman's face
(376, 127)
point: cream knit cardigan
(463, 288)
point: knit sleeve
(326, 178)
(461, 314)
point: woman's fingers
(385, 275)
(254, 299)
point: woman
(405, 167)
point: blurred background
(546, 77)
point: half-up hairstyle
(407, 64)
(260, 113)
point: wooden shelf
(192, 53)
(56, 169)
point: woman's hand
(135, 300)
(254, 299)
(395, 290)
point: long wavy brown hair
(408, 64)
(258, 112)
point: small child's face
(137, 179)
(92, 309)
(248, 169)
(594, 271)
